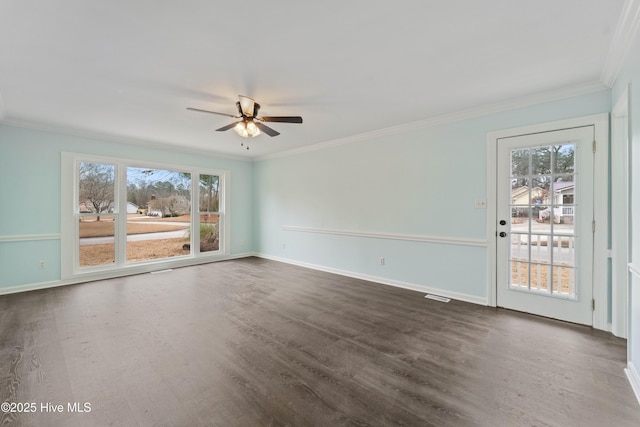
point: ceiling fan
(250, 124)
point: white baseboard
(382, 280)
(33, 287)
(118, 273)
(376, 279)
(634, 379)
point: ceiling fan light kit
(246, 129)
(250, 124)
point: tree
(209, 187)
(541, 165)
(173, 205)
(97, 182)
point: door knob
(503, 234)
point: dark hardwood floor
(259, 343)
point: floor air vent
(437, 298)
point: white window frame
(69, 241)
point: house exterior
(168, 206)
(132, 208)
(562, 199)
(563, 193)
(522, 195)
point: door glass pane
(543, 208)
(563, 280)
(520, 218)
(540, 277)
(541, 161)
(519, 247)
(158, 214)
(564, 252)
(541, 184)
(540, 252)
(564, 182)
(209, 217)
(520, 162)
(519, 275)
(96, 219)
(564, 159)
(542, 219)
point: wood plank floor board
(293, 362)
(390, 380)
(256, 342)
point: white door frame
(601, 203)
(620, 215)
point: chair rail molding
(635, 270)
(391, 236)
(3, 109)
(29, 237)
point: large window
(96, 222)
(208, 214)
(158, 213)
(127, 214)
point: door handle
(503, 222)
(503, 234)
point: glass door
(545, 212)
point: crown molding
(625, 32)
(511, 104)
(81, 133)
(514, 103)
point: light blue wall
(630, 77)
(419, 182)
(30, 190)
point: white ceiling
(130, 68)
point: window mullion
(121, 215)
(82, 260)
(195, 214)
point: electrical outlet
(42, 265)
(381, 260)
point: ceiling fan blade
(266, 129)
(212, 112)
(282, 119)
(246, 105)
(227, 127)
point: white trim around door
(620, 215)
(600, 276)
